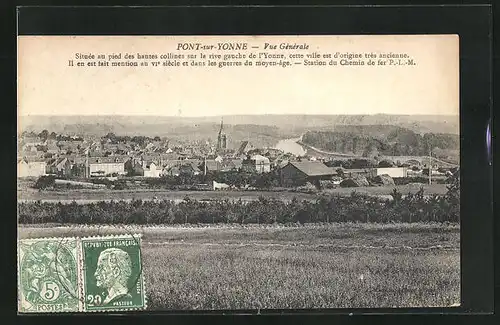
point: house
(171, 171)
(231, 165)
(237, 163)
(298, 173)
(123, 149)
(96, 146)
(30, 147)
(257, 163)
(272, 153)
(151, 147)
(281, 163)
(394, 172)
(133, 167)
(93, 153)
(72, 146)
(147, 166)
(111, 147)
(27, 167)
(188, 169)
(60, 166)
(102, 166)
(219, 186)
(152, 170)
(52, 147)
(358, 172)
(211, 165)
(30, 139)
(177, 167)
(32, 154)
(168, 156)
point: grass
(106, 194)
(386, 190)
(273, 278)
(278, 267)
(146, 194)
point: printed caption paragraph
(241, 54)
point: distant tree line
(232, 178)
(399, 142)
(46, 135)
(354, 208)
(353, 163)
(140, 140)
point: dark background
(472, 23)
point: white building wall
(152, 171)
(31, 169)
(262, 164)
(219, 186)
(107, 168)
(262, 167)
(393, 171)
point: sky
(48, 86)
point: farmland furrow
(306, 246)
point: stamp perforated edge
(19, 293)
(141, 277)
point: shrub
(408, 180)
(120, 185)
(354, 208)
(386, 163)
(44, 182)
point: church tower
(221, 138)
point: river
(291, 146)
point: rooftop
(313, 168)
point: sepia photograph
(168, 173)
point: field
(105, 194)
(311, 266)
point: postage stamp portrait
(112, 273)
(48, 275)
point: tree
(44, 135)
(53, 135)
(265, 180)
(370, 151)
(396, 195)
(453, 195)
(386, 163)
(157, 138)
(111, 136)
(44, 182)
(453, 186)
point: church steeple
(221, 126)
(221, 138)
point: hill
(370, 141)
(288, 125)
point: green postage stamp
(80, 274)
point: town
(209, 165)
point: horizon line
(219, 115)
